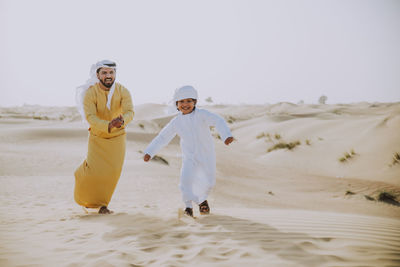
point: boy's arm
(219, 123)
(162, 139)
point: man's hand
(116, 122)
(146, 157)
(228, 140)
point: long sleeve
(89, 105)
(162, 139)
(127, 106)
(219, 123)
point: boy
(197, 144)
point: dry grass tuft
(388, 198)
(268, 137)
(261, 135)
(231, 119)
(160, 159)
(277, 136)
(157, 158)
(277, 141)
(396, 158)
(283, 145)
(347, 156)
(369, 198)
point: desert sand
(302, 185)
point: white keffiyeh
(81, 90)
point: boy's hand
(228, 140)
(146, 157)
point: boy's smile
(186, 106)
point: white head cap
(185, 92)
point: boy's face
(186, 105)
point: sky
(234, 51)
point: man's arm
(89, 105)
(127, 106)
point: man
(107, 107)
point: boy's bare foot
(189, 212)
(204, 208)
(104, 210)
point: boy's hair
(194, 100)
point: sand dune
(287, 207)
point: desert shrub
(268, 137)
(261, 135)
(157, 158)
(347, 156)
(160, 159)
(384, 196)
(283, 145)
(231, 119)
(388, 197)
(277, 141)
(265, 135)
(396, 158)
(369, 198)
(209, 99)
(322, 99)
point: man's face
(186, 105)
(106, 76)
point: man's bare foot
(104, 210)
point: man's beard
(107, 84)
